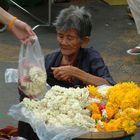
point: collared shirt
(88, 60)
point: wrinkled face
(69, 42)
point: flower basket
(103, 135)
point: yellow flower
(131, 99)
(99, 127)
(129, 126)
(96, 116)
(121, 93)
(122, 107)
(95, 111)
(112, 125)
(111, 110)
(93, 91)
(93, 107)
(132, 114)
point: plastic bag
(44, 131)
(11, 75)
(32, 73)
(17, 138)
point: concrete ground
(113, 33)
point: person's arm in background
(19, 28)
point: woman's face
(69, 42)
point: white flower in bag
(34, 82)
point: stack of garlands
(105, 108)
(118, 108)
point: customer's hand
(23, 31)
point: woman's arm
(68, 73)
(19, 28)
(5, 17)
(88, 78)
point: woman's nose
(64, 41)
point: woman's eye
(70, 38)
(60, 36)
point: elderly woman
(73, 64)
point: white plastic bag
(17, 138)
(11, 75)
(44, 131)
(32, 73)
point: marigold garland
(122, 107)
(93, 91)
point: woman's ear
(84, 41)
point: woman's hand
(69, 73)
(63, 72)
(23, 31)
(19, 28)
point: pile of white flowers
(63, 107)
(34, 82)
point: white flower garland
(34, 82)
(63, 107)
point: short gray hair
(76, 18)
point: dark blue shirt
(88, 60)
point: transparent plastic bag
(17, 138)
(43, 130)
(11, 75)
(32, 73)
